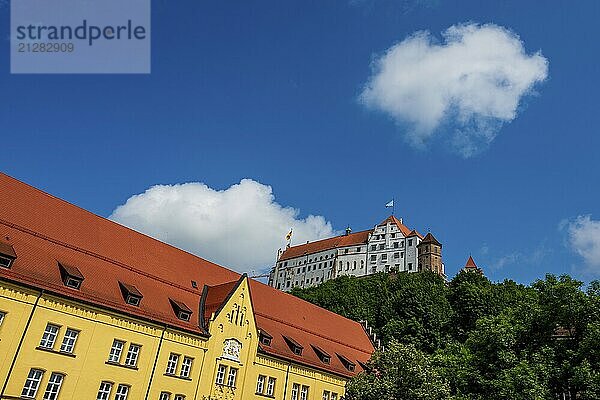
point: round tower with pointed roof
(430, 255)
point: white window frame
(295, 390)
(122, 392)
(2, 316)
(172, 364)
(49, 336)
(32, 383)
(104, 391)
(326, 395)
(304, 393)
(271, 386)
(53, 386)
(133, 354)
(179, 397)
(186, 367)
(260, 384)
(69, 340)
(116, 350)
(232, 377)
(221, 371)
(334, 396)
(164, 396)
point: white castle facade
(388, 247)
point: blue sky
(270, 91)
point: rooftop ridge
(311, 332)
(105, 219)
(332, 237)
(99, 256)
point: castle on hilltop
(389, 247)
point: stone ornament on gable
(232, 349)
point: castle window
(220, 380)
(32, 383)
(410, 242)
(186, 367)
(410, 266)
(49, 336)
(304, 393)
(326, 395)
(384, 257)
(68, 343)
(172, 364)
(260, 384)
(53, 387)
(195, 284)
(373, 247)
(2, 315)
(132, 355)
(396, 255)
(294, 346)
(381, 246)
(115, 351)
(179, 397)
(182, 311)
(231, 377)
(7, 255)
(165, 396)
(122, 392)
(349, 365)
(295, 390)
(70, 275)
(322, 354)
(130, 293)
(271, 386)
(373, 258)
(395, 245)
(104, 391)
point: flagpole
(393, 206)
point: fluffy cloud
(584, 239)
(240, 227)
(472, 82)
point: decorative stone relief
(232, 349)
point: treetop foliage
(472, 339)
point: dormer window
(182, 311)
(294, 346)
(349, 365)
(70, 275)
(7, 255)
(265, 338)
(322, 354)
(132, 296)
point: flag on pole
(389, 204)
(288, 236)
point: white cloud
(584, 239)
(240, 227)
(472, 82)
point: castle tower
(430, 255)
(470, 266)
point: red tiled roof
(326, 244)
(470, 263)
(43, 229)
(7, 250)
(352, 239)
(395, 221)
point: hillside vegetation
(471, 338)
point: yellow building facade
(63, 337)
